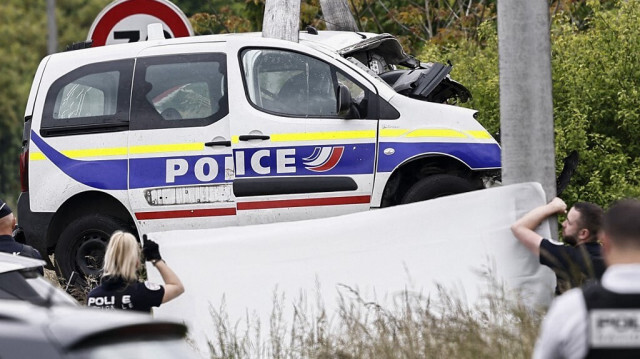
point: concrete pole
(337, 15)
(526, 107)
(52, 28)
(281, 19)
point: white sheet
(380, 253)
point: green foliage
(475, 65)
(596, 76)
(23, 43)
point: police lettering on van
(227, 130)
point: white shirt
(564, 328)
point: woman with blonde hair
(120, 288)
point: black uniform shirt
(573, 265)
(117, 293)
(9, 245)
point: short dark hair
(622, 223)
(590, 218)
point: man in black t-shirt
(7, 243)
(579, 259)
(601, 319)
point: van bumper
(34, 225)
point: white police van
(236, 129)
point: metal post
(52, 42)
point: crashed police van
(237, 129)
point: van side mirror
(344, 100)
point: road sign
(126, 21)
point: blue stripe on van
(101, 174)
(152, 171)
(475, 155)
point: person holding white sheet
(601, 320)
(580, 258)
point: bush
(596, 73)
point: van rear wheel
(81, 247)
(436, 186)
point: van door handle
(218, 143)
(253, 137)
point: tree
(22, 46)
(596, 76)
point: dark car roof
(71, 327)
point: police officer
(7, 243)
(578, 261)
(601, 320)
(120, 289)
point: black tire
(436, 186)
(82, 245)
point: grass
(414, 326)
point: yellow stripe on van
(397, 132)
(96, 152)
(479, 134)
(36, 156)
(174, 147)
(91, 152)
(319, 136)
(122, 151)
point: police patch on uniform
(152, 286)
(617, 328)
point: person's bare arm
(172, 285)
(523, 229)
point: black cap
(4, 209)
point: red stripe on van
(212, 212)
(333, 201)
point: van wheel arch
(410, 173)
(82, 204)
(82, 246)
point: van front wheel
(82, 245)
(436, 186)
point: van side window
(179, 91)
(359, 97)
(291, 83)
(91, 95)
(90, 99)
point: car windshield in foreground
(157, 348)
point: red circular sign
(164, 11)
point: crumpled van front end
(433, 150)
(433, 147)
